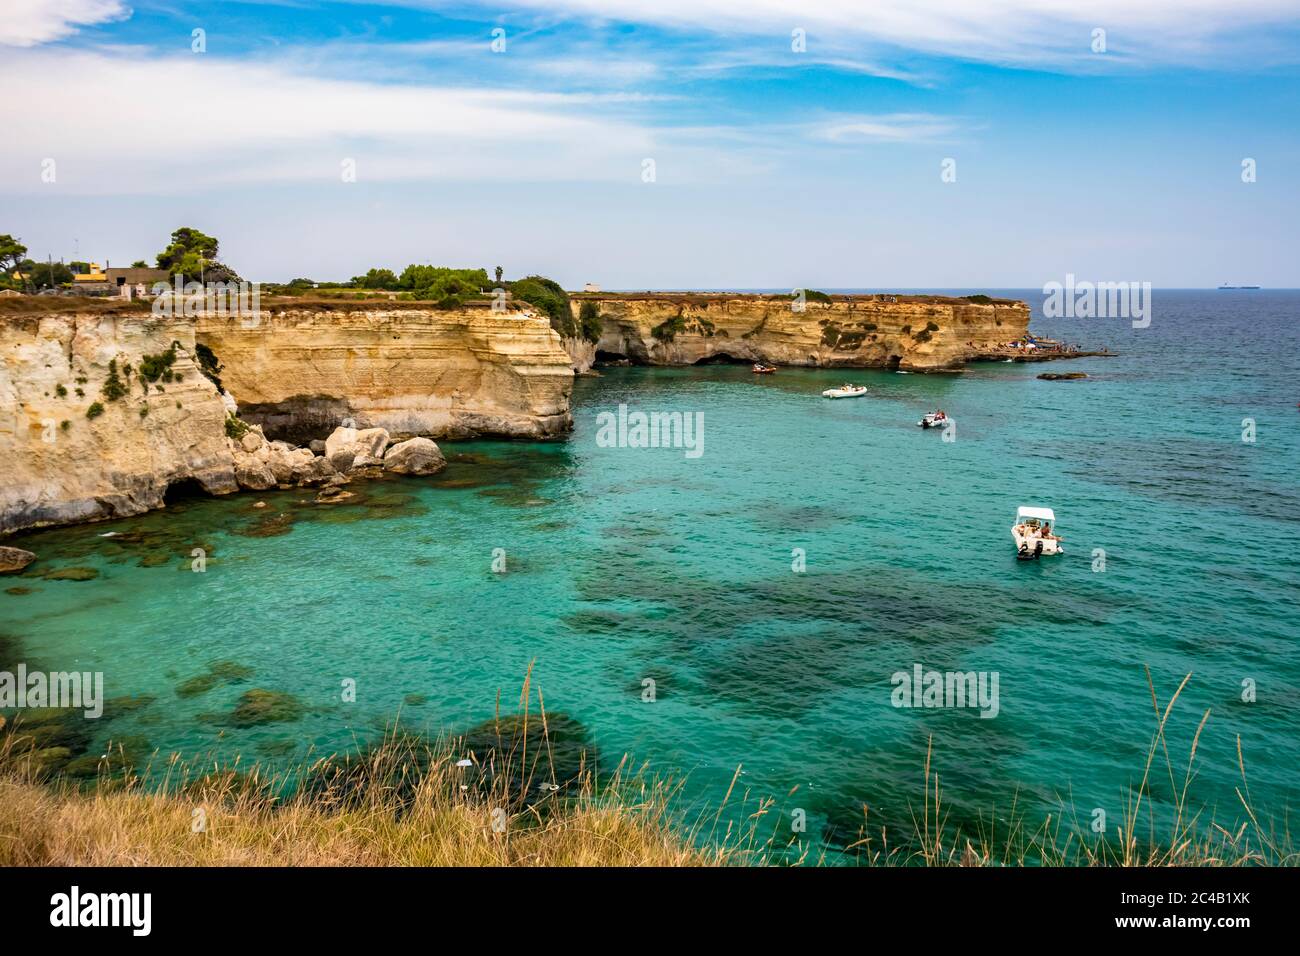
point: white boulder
(415, 456)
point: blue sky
(773, 167)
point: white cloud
(1037, 32)
(891, 128)
(31, 22)
(245, 122)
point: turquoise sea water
(626, 564)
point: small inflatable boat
(934, 420)
(758, 368)
(845, 391)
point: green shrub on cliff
(667, 330)
(590, 321)
(981, 299)
(812, 295)
(549, 297)
(159, 366)
(235, 426)
(95, 410)
(113, 388)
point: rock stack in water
(262, 464)
(348, 452)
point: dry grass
(44, 827)
(1177, 835)
(403, 802)
(408, 803)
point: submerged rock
(1061, 376)
(126, 704)
(261, 706)
(71, 574)
(13, 560)
(500, 746)
(415, 456)
(227, 672)
(230, 670)
(199, 684)
(118, 760)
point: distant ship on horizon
(1226, 286)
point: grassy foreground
(406, 802)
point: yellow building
(96, 274)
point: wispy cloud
(891, 128)
(31, 22)
(265, 122)
(1043, 33)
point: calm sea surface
(633, 564)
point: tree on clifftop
(194, 255)
(376, 279)
(12, 254)
(449, 288)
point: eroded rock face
(121, 461)
(581, 352)
(414, 372)
(415, 456)
(396, 372)
(920, 333)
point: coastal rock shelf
(414, 372)
(103, 410)
(910, 332)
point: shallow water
(626, 564)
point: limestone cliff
(85, 439)
(60, 466)
(920, 333)
(302, 370)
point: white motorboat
(935, 420)
(1034, 533)
(845, 391)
